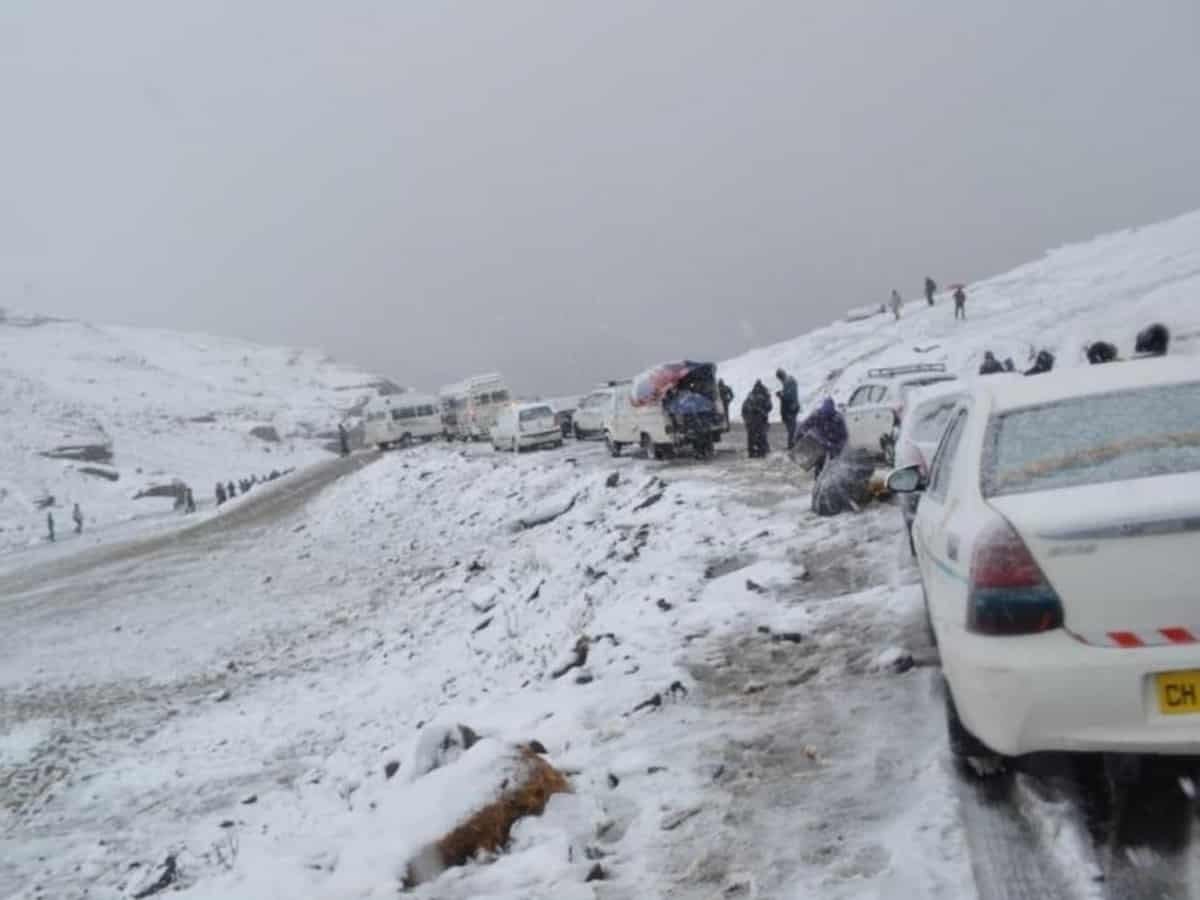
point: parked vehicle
(453, 399)
(928, 411)
(1057, 537)
(524, 426)
(401, 419)
(469, 408)
(876, 407)
(669, 408)
(592, 411)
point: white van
(523, 426)
(484, 397)
(671, 407)
(401, 419)
(592, 411)
(453, 399)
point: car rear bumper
(1052, 692)
(539, 439)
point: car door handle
(952, 546)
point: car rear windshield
(536, 412)
(1120, 436)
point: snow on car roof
(1015, 391)
(948, 388)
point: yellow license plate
(1178, 692)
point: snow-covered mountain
(166, 406)
(1103, 289)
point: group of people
(76, 517)
(959, 295)
(229, 490)
(1153, 340)
(825, 427)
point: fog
(567, 191)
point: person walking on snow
(189, 501)
(930, 289)
(789, 404)
(77, 517)
(50, 526)
(220, 493)
(230, 491)
(895, 303)
(343, 439)
(960, 303)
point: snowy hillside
(1103, 289)
(168, 406)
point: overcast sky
(567, 191)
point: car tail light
(1009, 594)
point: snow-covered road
(758, 713)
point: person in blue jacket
(789, 404)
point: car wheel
(614, 448)
(972, 755)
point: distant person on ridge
(77, 517)
(1153, 340)
(930, 289)
(189, 501)
(990, 365)
(230, 490)
(343, 439)
(50, 526)
(220, 492)
(1101, 352)
(960, 303)
(789, 404)
(895, 303)
(1043, 363)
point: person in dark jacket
(1044, 362)
(960, 303)
(1009, 365)
(343, 439)
(789, 404)
(230, 490)
(220, 493)
(827, 428)
(1153, 340)
(990, 365)
(50, 525)
(756, 412)
(1101, 352)
(726, 394)
(930, 289)
(77, 517)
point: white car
(524, 426)
(1059, 546)
(925, 419)
(877, 405)
(589, 417)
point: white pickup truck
(667, 409)
(876, 407)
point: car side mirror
(908, 480)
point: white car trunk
(1124, 557)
